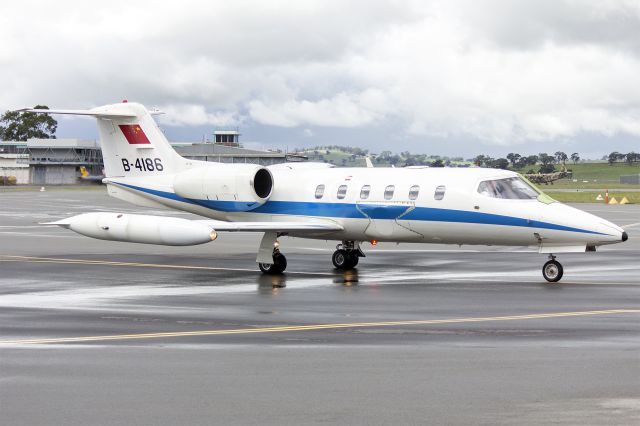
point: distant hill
(343, 156)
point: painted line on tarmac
(32, 259)
(311, 327)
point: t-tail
(132, 143)
(142, 168)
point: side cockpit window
(509, 188)
(439, 194)
(319, 191)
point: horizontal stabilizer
(96, 112)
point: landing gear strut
(270, 260)
(552, 270)
(347, 255)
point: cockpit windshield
(509, 188)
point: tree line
(517, 161)
(630, 157)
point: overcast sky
(450, 77)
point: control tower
(227, 137)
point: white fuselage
(445, 206)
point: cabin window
(510, 188)
(319, 191)
(388, 192)
(342, 191)
(413, 192)
(439, 194)
(364, 192)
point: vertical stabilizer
(131, 141)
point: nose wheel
(552, 270)
(277, 267)
(269, 259)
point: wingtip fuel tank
(134, 228)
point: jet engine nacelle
(226, 187)
(135, 228)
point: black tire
(340, 259)
(267, 268)
(280, 262)
(353, 259)
(552, 271)
(343, 259)
(277, 267)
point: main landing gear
(272, 262)
(347, 255)
(552, 270)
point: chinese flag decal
(134, 134)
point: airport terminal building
(58, 161)
(49, 161)
(226, 148)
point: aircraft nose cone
(625, 237)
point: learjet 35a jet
(311, 200)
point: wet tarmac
(96, 332)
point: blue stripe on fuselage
(374, 211)
(225, 206)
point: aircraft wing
(320, 226)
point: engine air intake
(263, 183)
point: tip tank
(134, 228)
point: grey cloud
(527, 24)
(251, 33)
(500, 73)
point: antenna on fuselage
(367, 160)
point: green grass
(601, 172)
(569, 184)
(590, 197)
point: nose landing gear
(552, 270)
(347, 255)
(277, 267)
(269, 259)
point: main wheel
(343, 259)
(552, 271)
(277, 267)
(340, 259)
(267, 268)
(353, 259)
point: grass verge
(590, 197)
